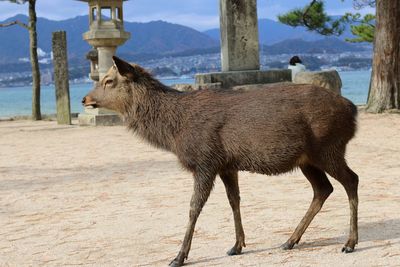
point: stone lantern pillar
(106, 33)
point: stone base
(232, 78)
(99, 117)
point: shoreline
(45, 117)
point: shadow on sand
(383, 230)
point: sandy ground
(83, 196)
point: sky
(198, 14)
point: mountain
(213, 33)
(156, 37)
(272, 32)
(299, 46)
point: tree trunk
(385, 80)
(36, 114)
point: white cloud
(199, 14)
(40, 52)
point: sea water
(18, 100)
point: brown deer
(270, 131)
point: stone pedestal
(229, 79)
(99, 117)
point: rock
(329, 79)
(183, 87)
(187, 87)
(249, 87)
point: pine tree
(382, 29)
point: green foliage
(314, 18)
(365, 29)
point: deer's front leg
(230, 179)
(202, 188)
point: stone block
(99, 120)
(99, 111)
(329, 79)
(232, 78)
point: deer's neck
(157, 117)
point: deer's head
(117, 89)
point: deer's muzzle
(88, 101)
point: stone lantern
(106, 33)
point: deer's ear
(124, 68)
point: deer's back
(266, 130)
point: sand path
(82, 196)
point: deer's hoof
(178, 261)
(349, 246)
(288, 245)
(347, 249)
(175, 263)
(234, 251)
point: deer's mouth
(89, 102)
(90, 105)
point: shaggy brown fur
(268, 131)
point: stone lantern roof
(106, 27)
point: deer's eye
(108, 82)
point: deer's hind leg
(322, 189)
(341, 172)
(230, 179)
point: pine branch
(16, 22)
(306, 15)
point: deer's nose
(88, 101)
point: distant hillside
(157, 37)
(299, 46)
(272, 32)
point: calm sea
(17, 100)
